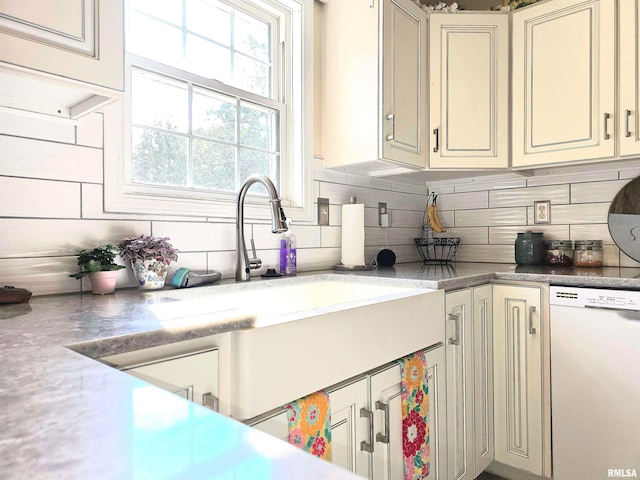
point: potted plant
(149, 257)
(99, 265)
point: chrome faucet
(278, 225)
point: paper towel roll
(353, 235)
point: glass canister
(530, 248)
(559, 253)
(588, 253)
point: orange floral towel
(310, 424)
(415, 408)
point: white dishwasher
(595, 383)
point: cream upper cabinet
(563, 82)
(521, 379)
(469, 90)
(629, 63)
(469, 360)
(60, 60)
(77, 39)
(374, 86)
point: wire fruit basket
(432, 249)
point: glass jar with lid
(588, 253)
(559, 253)
(530, 248)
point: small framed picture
(542, 211)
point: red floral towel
(415, 408)
(310, 424)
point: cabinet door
(563, 82)
(351, 429)
(518, 389)
(193, 376)
(483, 377)
(404, 70)
(469, 90)
(459, 354)
(386, 401)
(78, 39)
(629, 93)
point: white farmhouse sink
(312, 332)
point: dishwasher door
(595, 393)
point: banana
(433, 220)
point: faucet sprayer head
(278, 218)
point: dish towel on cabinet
(415, 409)
(310, 424)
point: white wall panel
(463, 201)
(508, 235)
(571, 178)
(89, 130)
(584, 213)
(23, 157)
(558, 194)
(20, 126)
(596, 191)
(468, 235)
(24, 197)
(194, 237)
(491, 217)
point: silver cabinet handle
(209, 400)
(606, 126)
(627, 114)
(532, 329)
(455, 340)
(392, 135)
(367, 446)
(383, 438)
(436, 133)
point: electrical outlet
(382, 210)
(323, 211)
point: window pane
(167, 10)
(251, 36)
(214, 166)
(159, 102)
(211, 19)
(251, 75)
(208, 59)
(257, 126)
(214, 115)
(155, 40)
(252, 162)
(158, 157)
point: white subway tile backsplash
(390, 236)
(486, 253)
(557, 194)
(89, 130)
(223, 262)
(25, 197)
(331, 237)
(406, 188)
(22, 157)
(394, 200)
(369, 182)
(197, 236)
(462, 201)
(418, 202)
(584, 213)
(48, 237)
(596, 191)
(626, 261)
(508, 235)
(406, 218)
(42, 275)
(468, 235)
(592, 231)
(493, 217)
(340, 194)
(497, 185)
(310, 259)
(20, 126)
(629, 174)
(570, 178)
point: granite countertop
(65, 415)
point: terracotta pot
(151, 274)
(103, 282)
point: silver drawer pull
(606, 126)
(367, 446)
(627, 114)
(532, 329)
(383, 437)
(436, 132)
(392, 135)
(209, 400)
(456, 339)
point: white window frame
(296, 144)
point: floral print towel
(415, 408)
(310, 424)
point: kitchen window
(214, 92)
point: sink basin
(310, 332)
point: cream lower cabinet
(366, 422)
(193, 376)
(521, 378)
(374, 86)
(469, 120)
(469, 360)
(563, 82)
